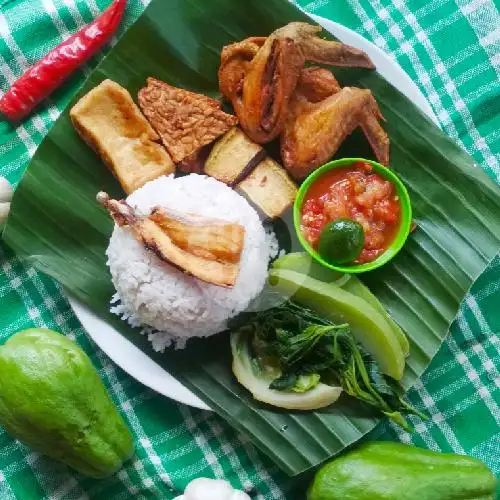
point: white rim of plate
(138, 364)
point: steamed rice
(167, 303)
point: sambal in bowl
(352, 215)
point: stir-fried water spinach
(302, 350)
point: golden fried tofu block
(186, 121)
(270, 188)
(110, 122)
(233, 156)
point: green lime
(341, 241)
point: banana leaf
(58, 227)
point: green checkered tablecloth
(451, 49)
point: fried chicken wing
(235, 59)
(316, 84)
(375, 134)
(260, 77)
(273, 93)
(320, 51)
(315, 130)
(266, 86)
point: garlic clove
(6, 191)
(211, 489)
(208, 489)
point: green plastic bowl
(399, 240)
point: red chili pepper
(46, 75)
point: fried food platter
(130, 358)
(421, 155)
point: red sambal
(358, 193)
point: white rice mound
(170, 305)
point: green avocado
(341, 241)
(52, 399)
(395, 471)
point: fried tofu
(186, 121)
(270, 188)
(110, 122)
(233, 156)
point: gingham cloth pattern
(451, 49)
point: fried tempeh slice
(186, 121)
(233, 156)
(270, 188)
(211, 239)
(112, 125)
(157, 240)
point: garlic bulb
(6, 193)
(211, 489)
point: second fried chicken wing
(235, 59)
(315, 130)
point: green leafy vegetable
(295, 383)
(284, 382)
(306, 382)
(367, 326)
(310, 349)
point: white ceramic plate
(133, 360)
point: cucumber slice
(356, 287)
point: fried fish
(211, 239)
(208, 249)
